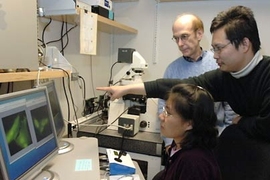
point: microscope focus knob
(143, 124)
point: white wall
(153, 41)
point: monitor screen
(56, 109)
(59, 122)
(28, 138)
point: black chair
(242, 158)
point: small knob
(143, 124)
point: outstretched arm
(116, 92)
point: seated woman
(189, 118)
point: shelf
(113, 27)
(104, 24)
(26, 76)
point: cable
(110, 79)
(91, 76)
(84, 94)
(62, 29)
(68, 105)
(111, 124)
(41, 54)
(73, 105)
(63, 80)
(9, 87)
(101, 125)
(122, 143)
(43, 32)
(62, 35)
(123, 138)
(72, 100)
(67, 39)
(38, 75)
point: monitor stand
(48, 175)
(65, 147)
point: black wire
(92, 81)
(67, 41)
(40, 40)
(110, 79)
(62, 51)
(62, 35)
(99, 130)
(122, 142)
(100, 107)
(73, 105)
(68, 105)
(62, 43)
(43, 32)
(71, 97)
(116, 82)
(84, 92)
(10, 87)
(43, 63)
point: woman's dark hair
(239, 23)
(195, 104)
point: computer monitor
(59, 122)
(28, 139)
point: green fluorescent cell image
(41, 122)
(17, 132)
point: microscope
(126, 111)
(131, 111)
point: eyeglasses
(218, 49)
(183, 37)
(165, 112)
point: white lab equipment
(132, 73)
(54, 59)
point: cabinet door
(18, 34)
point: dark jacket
(191, 164)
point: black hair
(239, 23)
(195, 104)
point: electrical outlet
(74, 76)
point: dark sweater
(248, 96)
(192, 164)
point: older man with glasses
(188, 31)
